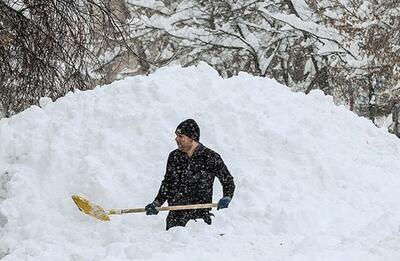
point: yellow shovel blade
(89, 208)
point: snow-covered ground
(313, 181)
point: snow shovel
(98, 212)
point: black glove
(224, 202)
(151, 208)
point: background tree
(347, 48)
(48, 48)
(369, 83)
(277, 39)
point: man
(189, 178)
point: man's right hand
(151, 208)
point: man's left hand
(224, 202)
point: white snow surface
(313, 180)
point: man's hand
(224, 202)
(151, 208)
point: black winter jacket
(190, 181)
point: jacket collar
(198, 151)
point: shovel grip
(169, 208)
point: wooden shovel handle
(181, 207)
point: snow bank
(314, 181)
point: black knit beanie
(189, 128)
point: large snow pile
(314, 181)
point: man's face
(184, 142)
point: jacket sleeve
(165, 187)
(225, 177)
